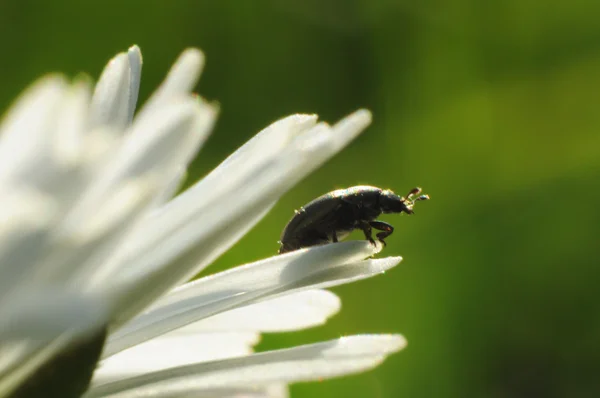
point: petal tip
(397, 342)
(135, 51)
(364, 114)
(193, 56)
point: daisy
(95, 250)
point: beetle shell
(335, 212)
(331, 217)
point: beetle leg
(366, 228)
(386, 229)
(334, 237)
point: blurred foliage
(491, 106)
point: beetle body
(332, 217)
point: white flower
(91, 241)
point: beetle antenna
(422, 197)
(413, 192)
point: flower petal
(237, 167)
(27, 220)
(223, 335)
(152, 151)
(116, 93)
(69, 138)
(180, 81)
(269, 142)
(233, 392)
(135, 74)
(249, 284)
(110, 107)
(175, 349)
(305, 363)
(27, 133)
(190, 247)
(295, 311)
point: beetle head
(392, 203)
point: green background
(491, 106)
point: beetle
(331, 217)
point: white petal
(71, 126)
(275, 270)
(174, 350)
(154, 144)
(26, 134)
(257, 151)
(26, 219)
(291, 312)
(116, 93)
(131, 292)
(53, 164)
(135, 73)
(188, 249)
(171, 188)
(117, 209)
(269, 143)
(180, 81)
(43, 139)
(169, 137)
(78, 248)
(248, 284)
(110, 106)
(305, 363)
(184, 73)
(176, 226)
(153, 151)
(226, 392)
(349, 127)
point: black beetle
(333, 216)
